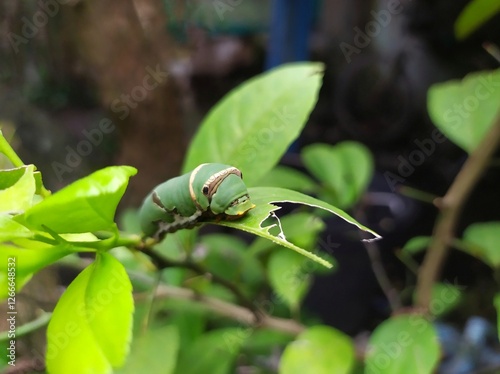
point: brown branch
(450, 209)
(235, 312)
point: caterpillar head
(231, 197)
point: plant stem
(8, 151)
(381, 276)
(450, 209)
(372, 249)
(243, 315)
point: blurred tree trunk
(122, 47)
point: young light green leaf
(344, 170)
(88, 204)
(153, 352)
(465, 110)
(9, 177)
(264, 197)
(403, 344)
(255, 123)
(288, 277)
(481, 240)
(91, 326)
(475, 13)
(18, 197)
(10, 229)
(318, 350)
(417, 244)
(213, 352)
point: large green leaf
(90, 329)
(344, 169)
(213, 352)
(263, 197)
(318, 350)
(474, 15)
(464, 110)
(255, 123)
(482, 240)
(88, 204)
(288, 277)
(403, 344)
(10, 229)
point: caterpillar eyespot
(210, 190)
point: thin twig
(451, 208)
(377, 266)
(243, 315)
(383, 280)
(9, 152)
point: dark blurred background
(89, 83)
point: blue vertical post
(291, 23)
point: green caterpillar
(210, 190)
